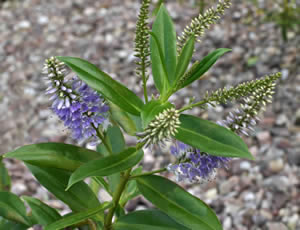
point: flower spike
(80, 107)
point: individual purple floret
(76, 104)
(194, 165)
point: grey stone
(276, 226)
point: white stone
(249, 196)
(23, 25)
(211, 194)
(43, 20)
(245, 165)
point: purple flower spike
(75, 103)
(194, 165)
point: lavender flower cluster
(75, 103)
(194, 165)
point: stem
(102, 138)
(92, 225)
(149, 173)
(192, 105)
(116, 199)
(117, 195)
(144, 83)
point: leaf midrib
(209, 139)
(102, 82)
(109, 167)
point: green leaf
(178, 203)
(107, 165)
(79, 197)
(102, 82)
(11, 225)
(55, 155)
(185, 58)
(12, 208)
(117, 141)
(159, 71)
(151, 109)
(4, 177)
(211, 138)
(147, 220)
(123, 119)
(42, 213)
(204, 65)
(77, 217)
(164, 30)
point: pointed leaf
(76, 218)
(12, 208)
(102, 82)
(164, 30)
(42, 213)
(177, 203)
(147, 220)
(204, 65)
(160, 75)
(79, 197)
(55, 155)
(211, 138)
(107, 165)
(185, 57)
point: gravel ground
(262, 194)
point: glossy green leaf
(147, 220)
(5, 182)
(12, 208)
(79, 197)
(42, 213)
(76, 218)
(204, 65)
(123, 119)
(102, 82)
(107, 165)
(159, 71)
(185, 57)
(11, 225)
(211, 138)
(164, 30)
(55, 155)
(151, 109)
(117, 141)
(177, 203)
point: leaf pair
(169, 69)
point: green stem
(144, 83)
(92, 225)
(118, 193)
(116, 199)
(149, 173)
(192, 105)
(102, 138)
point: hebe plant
(99, 110)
